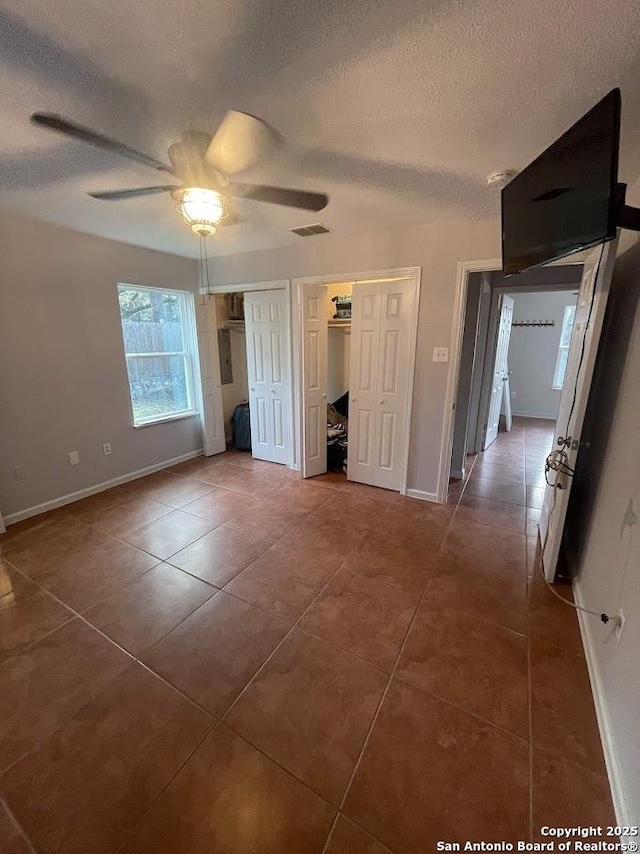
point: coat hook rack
(533, 323)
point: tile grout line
(376, 714)
(134, 826)
(391, 677)
(80, 616)
(16, 824)
(273, 652)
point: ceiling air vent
(308, 230)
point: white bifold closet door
(314, 379)
(381, 323)
(269, 374)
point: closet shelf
(233, 324)
(339, 324)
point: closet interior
(338, 315)
(232, 349)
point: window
(156, 330)
(563, 348)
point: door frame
(270, 285)
(464, 269)
(297, 284)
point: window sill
(556, 388)
(166, 418)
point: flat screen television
(567, 199)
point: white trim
(2, 527)
(542, 415)
(623, 815)
(189, 354)
(421, 495)
(192, 413)
(98, 487)
(396, 274)
(269, 285)
(457, 330)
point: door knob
(273, 391)
(253, 389)
(324, 394)
(381, 400)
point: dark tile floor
(224, 658)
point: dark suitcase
(242, 427)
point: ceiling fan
(204, 165)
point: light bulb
(201, 209)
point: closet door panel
(397, 307)
(314, 379)
(363, 381)
(269, 373)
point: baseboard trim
(421, 495)
(36, 509)
(533, 415)
(623, 816)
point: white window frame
(189, 354)
(556, 384)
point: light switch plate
(74, 458)
(440, 354)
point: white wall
(533, 351)
(63, 382)
(437, 248)
(609, 572)
(338, 347)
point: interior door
(269, 374)
(475, 428)
(314, 380)
(363, 380)
(500, 369)
(382, 314)
(212, 417)
(590, 309)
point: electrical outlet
(74, 458)
(106, 449)
(620, 621)
(19, 473)
(440, 354)
(513, 394)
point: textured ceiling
(397, 108)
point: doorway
(253, 350)
(574, 359)
(355, 375)
(515, 342)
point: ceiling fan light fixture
(201, 209)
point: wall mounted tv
(568, 199)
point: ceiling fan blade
(115, 195)
(240, 142)
(67, 128)
(304, 199)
